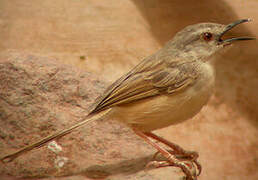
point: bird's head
(204, 39)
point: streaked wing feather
(143, 83)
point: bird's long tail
(89, 118)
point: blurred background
(108, 38)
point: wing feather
(146, 80)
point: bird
(164, 89)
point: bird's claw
(186, 156)
(186, 167)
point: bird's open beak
(230, 26)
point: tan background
(109, 37)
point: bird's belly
(161, 111)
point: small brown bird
(166, 88)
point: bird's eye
(207, 36)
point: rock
(39, 97)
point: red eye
(207, 36)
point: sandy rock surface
(39, 97)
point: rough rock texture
(109, 37)
(39, 97)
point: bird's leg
(179, 152)
(171, 159)
(191, 155)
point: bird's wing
(149, 78)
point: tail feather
(89, 118)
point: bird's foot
(187, 167)
(175, 150)
(172, 158)
(181, 156)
